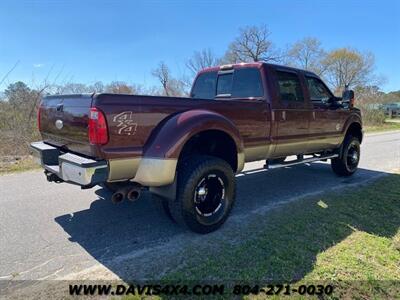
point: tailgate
(64, 122)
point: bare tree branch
(8, 73)
(162, 73)
(307, 54)
(252, 44)
(201, 60)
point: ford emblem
(59, 124)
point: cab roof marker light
(226, 67)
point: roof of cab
(256, 64)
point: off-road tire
(216, 180)
(345, 165)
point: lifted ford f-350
(187, 150)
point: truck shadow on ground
(107, 231)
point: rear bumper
(70, 167)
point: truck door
(240, 96)
(327, 120)
(291, 112)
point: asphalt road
(52, 231)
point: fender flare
(162, 150)
(171, 136)
(351, 120)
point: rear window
(241, 83)
(224, 84)
(289, 87)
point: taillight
(98, 132)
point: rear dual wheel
(205, 194)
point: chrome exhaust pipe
(133, 194)
(117, 197)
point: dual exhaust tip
(132, 193)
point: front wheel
(347, 163)
(205, 193)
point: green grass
(350, 239)
(23, 164)
(387, 126)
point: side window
(205, 85)
(319, 93)
(247, 83)
(224, 84)
(289, 87)
(241, 83)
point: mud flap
(166, 191)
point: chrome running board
(299, 161)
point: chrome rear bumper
(70, 167)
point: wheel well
(212, 142)
(355, 130)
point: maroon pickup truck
(186, 151)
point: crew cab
(186, 151)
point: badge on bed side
(125, 123)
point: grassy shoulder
(349, 239)
(20, 164)
(387, 126)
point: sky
(88, 41)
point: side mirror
(348, 97)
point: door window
(241, 83)
(319, 93)
(247, 83)
(289, 87)
(238, 83)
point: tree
(72, 88)
(97, 87)
(162, 73)
(170, 85)
(17, 122)
(17, 93)
(307, 54)
(119, 87)
(348, 67)
(201, 60)
(369, 100)
(252, 44)
(23, 99)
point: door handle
(60, 107)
